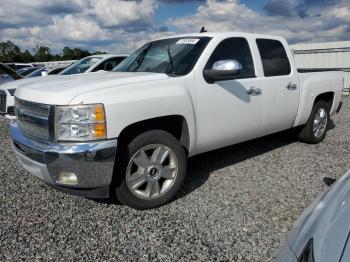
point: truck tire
(316, 127)
(151, 170)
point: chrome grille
(33, 118)
(3, 97)
(40, 110)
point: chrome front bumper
(91, 162)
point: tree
(27, 57)
(43, 54)
(74, 54)
(99, 53)
(67, 54)
(9, 52)
(80, 53)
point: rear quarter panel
(314, 84)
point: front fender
(137, 103)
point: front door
(227, 112)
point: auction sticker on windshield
(187, 41)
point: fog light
(67, 178)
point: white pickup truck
(128, 133)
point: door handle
(291, 86)
(254, 91)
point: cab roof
(226, 34)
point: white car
(128, 133)
(94, 63)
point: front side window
(173, 56)
(80, 66)
(274, 57)
(234, 49)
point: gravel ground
(236, 205)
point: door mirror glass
(227, 65)
(223, 70)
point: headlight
(80, 123)
(12, 91)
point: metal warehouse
(330, 55)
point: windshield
(174, 56)
(81, 66)
(36, 73)
(6, 72)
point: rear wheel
(152, 170)
(315, 129)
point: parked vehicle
(7, 92)
(7, 74)
(42, 71)
(16, 66)
(56, 70)
(94, 63)
(37, 71)
(26, 70)
(322, 232)
(129, 132)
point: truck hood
(61, 90)
(14, 84)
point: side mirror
(223, 70)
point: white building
(331, 55)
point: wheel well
(174, 124)
(327, 97)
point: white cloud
(233, 15)
(122, 26)
(111, 13)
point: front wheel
(152, 170)
(315, 129)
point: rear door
(280, 94)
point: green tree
(99, 53)
(67, 54)
(9, 52)
(43, 54)
(80, 53)
(27, 57)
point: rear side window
(274, 57)
(236, 49)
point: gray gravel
(236, 205)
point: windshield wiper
(139, 59)
(171, 62)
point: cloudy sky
(121, 26)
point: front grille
(3, 97)
(33, 118)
